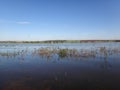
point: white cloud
(13, 22)
(23, 22)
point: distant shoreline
(60, 41)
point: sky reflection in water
(24, 69)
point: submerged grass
(65, 52)
(62, 53)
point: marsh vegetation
(65, 52)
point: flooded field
(62, 66)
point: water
(22, 69)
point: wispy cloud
(23, 22)
(14, 22)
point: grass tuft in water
(62, 53)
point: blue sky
(59, 19)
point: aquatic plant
(44, 52)
(104, 51)
(73, 53)
(8, 54)
(62, 52)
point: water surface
(22, 69)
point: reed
(65, 52)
